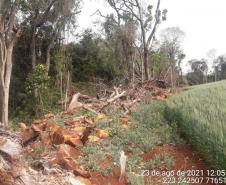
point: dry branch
(89, 109)
(111, 100)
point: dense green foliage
(195, 78)
(91, 58)
(200, 72)
(37, 79)
(23, 104)
(200, 114)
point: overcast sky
(203, 22)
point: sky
(203, 22)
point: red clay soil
(184, 160)
(113, 179)
(106, 163)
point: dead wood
(111, 100)
(89, 109)
(86, 134)
(74, 102)
(121, 98)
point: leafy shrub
(41, 92)
(37, 79)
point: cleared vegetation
(200, 113)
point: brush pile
(122, 98)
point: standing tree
(62, 18)
(145, 20)
(48, 19)
(14, 15)
(199, 67)
(10, 29)
(120, 36)
(39, 12)
(211, 54)
(171, 39)
(220, 67)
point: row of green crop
(201, 117)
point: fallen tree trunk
(111, 100)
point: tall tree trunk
(133, 72)
(33, 50)
(48, 55)
(181, 74)
(173, 73)
(127, 60)
(34, 63)
(1, 101)
(1, 104)
(48, 58)
(142, 71)
(215, 73)
(5, 107)
(171, 77)
(129, 68)
(5, 84)
(146, 66)
(8, 38)
(67, 90)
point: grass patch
(91, 155)
(134, 179)
(200, 114)
(163, 159)
(147, 129)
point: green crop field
(200, 113)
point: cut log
(74, 103)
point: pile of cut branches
(124, 98)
